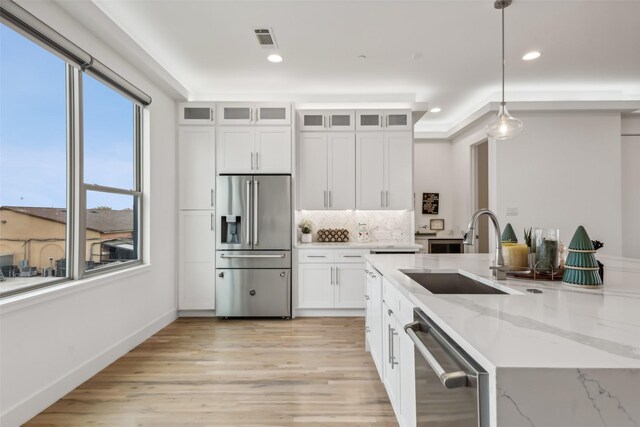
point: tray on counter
(531, 274)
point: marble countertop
(562, 327)
(358, 245)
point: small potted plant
(597, 244)
(305, 227)
(531, 246)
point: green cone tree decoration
(508, 235)
(581, 268)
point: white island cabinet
(557, 357)
(391, 349)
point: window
(33, 164)
(40, 203)
(112, 184)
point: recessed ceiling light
(530, 56)
(274, 58)
(362, 57)
(436, 109)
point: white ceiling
(590, 50)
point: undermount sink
(448, 282)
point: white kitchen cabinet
(369, 120)
(370, 170)
(197, 113)
(368, 311)
(272, 149)
(315, 286)
(374, 282)
(331, 278)
(407, 376)
(196, 167)
(273, 114)
(313, 171)
(375, 120)
(342, 170)
(253, 149)
(384, 170)
(399, 170)
(391, 348)
(350, 282)
(326, 120)
(235, 149)
(196, 272)
(251, 113)
(236, 113)
(331, 286)
(392, 355)
(398, 120)
(326, 170)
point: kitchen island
(562, 357)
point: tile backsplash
(384, 226)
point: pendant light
(504, 126)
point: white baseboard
(42, 399)
(334, 312)
(196, 313)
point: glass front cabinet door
(197, 113)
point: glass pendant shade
(504, 126)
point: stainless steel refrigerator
(253, 246)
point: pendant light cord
(503, 7)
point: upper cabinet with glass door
(197, 113)
(383, 120)
(326, 120)
(243, 113)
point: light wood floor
(209, 372)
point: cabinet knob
(220, 274)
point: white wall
(52, 343)
(432, 173)
(562, 171)
(461, 167)
(631, 196)
(630, 186)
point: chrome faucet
(499, 269)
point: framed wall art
(430, 203)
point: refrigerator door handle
(255, 212)
(248, 213)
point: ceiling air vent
(265, 37)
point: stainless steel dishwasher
(452, 390)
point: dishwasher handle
(252, 256)
(450, 380)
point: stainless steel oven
(452, 390)
(446, 246)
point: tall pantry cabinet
(196, 187)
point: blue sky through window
(33, 141)
(33, 129)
